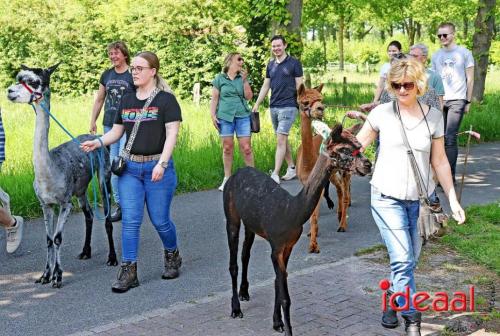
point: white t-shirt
(393, 175)
(451, 65)
(384, 70)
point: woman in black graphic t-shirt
(149, 177)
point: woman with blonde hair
(395, 197)
(149, 176)
(230, 111)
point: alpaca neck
(308, 155)
(41, 158)
(309, 196)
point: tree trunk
(484, 24)
(340, 39)
(419, 31)
(314, 34)
(382, 35)
(294, 27)
(324, 48)
(466, 26)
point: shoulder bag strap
(243, 100)
(128, 147)
(413, 162)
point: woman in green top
(230, 111)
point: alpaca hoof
(279, 326)
(112, 261)
(309, 234)
(237, 313)
(84, 255)
(340, 229)
(56, 284)
(330, 204)
(244, 296)
(314, 248)
(44, 279)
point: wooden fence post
(196, 94)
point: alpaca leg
(48, 218)
(278, 324)
(245, 257)
(112, 260)
(57, 271)
(326, 195)
(233, 231)
(283, 295)
(89, 219)
(313, 243)
(346, 200)
(340, 196)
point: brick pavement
(339, 299)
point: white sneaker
(290, 174)
(275, 177)
(221, 187)
(15, 235)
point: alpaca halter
(308, 109)
(35, 96)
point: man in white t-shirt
(455, 64)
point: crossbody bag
(254, 116)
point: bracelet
(100, 141)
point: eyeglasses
(408, 86)
(442, 35)
(416, 56)
(137, 68)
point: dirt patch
(442, 269)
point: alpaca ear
(321, 128)
(301, 89)
(354, 129)
(319, 87)
(53, 68)
(24, 67)
(336, 133)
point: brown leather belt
(144, 158)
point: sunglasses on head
(408, 86)
(442, 35)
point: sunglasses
(408, 86)
(442, 35)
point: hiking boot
(389, 316)
(117, 215)
(173, 262)
(290, 174)
(14, 234)
(127, 277)
(412, 324)
(275, 177)
(221, 187)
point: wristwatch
(163, 164)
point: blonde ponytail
(162, 84)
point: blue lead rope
(100, 161)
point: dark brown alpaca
(266, 209)
(311, 107)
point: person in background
(114, 83)
(283, 76)
(13, 224)
(455, 65)
(394, 196)
(230, 112)
(149, 177)
(393, 49)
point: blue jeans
(114, 151)
(136, 188)
(397, 222)
(453, 114)
(240, 126)
(283, 118)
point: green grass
(479, 237)
(198, 156)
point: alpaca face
(35, 80)
(342, 147)
(311, 102)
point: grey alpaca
(60, 173)
(266, 209)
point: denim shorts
(240, 126)
(283, 118)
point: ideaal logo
(439, 302)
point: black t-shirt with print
(151, 135)
(117, 86)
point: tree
(484, 25)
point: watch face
(164, 164)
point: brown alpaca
(266, 209)
(311, 107)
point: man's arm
(298, 81)
(262, 94)
(469, 73)
(96, 109)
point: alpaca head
(311, 102)
(31, 84)
(343, 149)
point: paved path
(332, 293)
